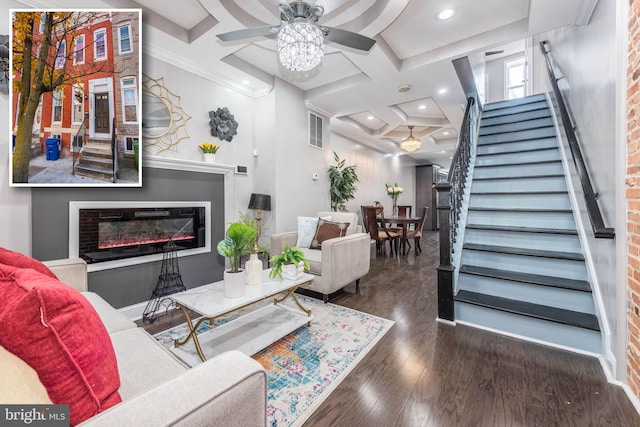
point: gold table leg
(192, 332)
(291, 293)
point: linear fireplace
(117, 234)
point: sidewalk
(43, 171)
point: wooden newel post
(445, 269)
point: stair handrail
(114, 151)
(591, 197)
(74, 154)
(449, 206)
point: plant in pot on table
(289, 264)
(237, 242)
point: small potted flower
(289, 264)
(394, 192)
(209, 151)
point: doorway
(102, 113)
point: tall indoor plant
(342, 181)
(237, 242)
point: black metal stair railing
(114, 151)
(450, 198)
(80, 136)
(591, 197)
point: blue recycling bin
(52, 148)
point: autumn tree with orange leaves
(36, 65)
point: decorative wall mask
(223, 124)
(4, 64)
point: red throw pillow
(328, 230)
(16, 259)
(56, 331)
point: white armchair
(340, 261)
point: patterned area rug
(307, 365)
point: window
(56, 113)
(78, 103)
(43, 19)
(124, 39)
(515, 78)
(128, 144)
(78, 54)
(129, 100)
(315, 130)
(60, 53)
(100, 37)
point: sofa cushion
(349, 217)
(20, 383)
(16, 259)
(327, 230)
(56, 331)
(307, 226)
(314, 258)
(112, 319)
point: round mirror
(156, 117)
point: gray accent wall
(130, 285)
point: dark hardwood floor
(426, 373)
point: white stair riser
(517, 185)
(560, 220)
(548, 154)
(518, 136)
(554, 333)
(514, 103)
(567, 299)
(524, 170)
(517, 146)
(523, 201)
(516, 239)
(516, 127)
(567, 269)
(516, 117)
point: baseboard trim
(445, 321)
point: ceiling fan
(300, 36)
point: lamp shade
(260, 201)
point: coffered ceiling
(359, 91)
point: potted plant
(342, 180)
(236, 243)
(289, 264)
(209, 151)
(253, 267)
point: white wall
(15, 203)
(588, 58)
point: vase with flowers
(394, 192)
(209, 151)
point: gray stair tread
(514, 102)
(535, 162)
(525, 251)
(534, 279)
(513, 120)
(95, 169)
(530, 150)
(516, 193)
(520, 177)
(523, 229)
(516, 131)
(538, 311)
(520, 210)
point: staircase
(96, 161)
(522, 266)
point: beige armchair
(339, 261)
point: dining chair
(404, 211)
(416, 234)
(378, 229)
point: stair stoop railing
(82, 132)
(114, 152)
(591, 197)
(449, 206)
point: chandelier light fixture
(300, 45)
(411, 143)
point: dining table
(404, 222)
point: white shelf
(249, 333)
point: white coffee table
(249, 333)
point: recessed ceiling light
(443, 90)
(422, 107)
(445, 133)
(246, 82)
(445, 14)
(370, 117)
(450, 158)
(443, 151)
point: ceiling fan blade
(348, 38)
(247, 33)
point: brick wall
(633, 198)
